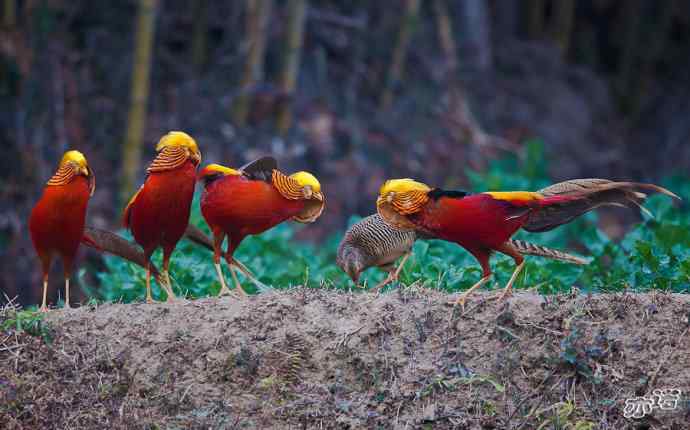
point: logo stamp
(663, 399)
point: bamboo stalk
(199, 34)
(405, 32)
(136, 119)
(562, 23)
(444, 27)
(631, 17)
(256, 22)
(297, 12)
(535, 19)
(9, 16)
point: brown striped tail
(542, 251)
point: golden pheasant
(371, 242)
(57, 221)
(483, 223)
(158, 213)
(251, 200)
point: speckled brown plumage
(527, 248)
(372, 242)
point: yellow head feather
(178, 138)
(221, 169)
(74, 157)
(73, 163)
(305, 179)
(402, 186)
(399, 198)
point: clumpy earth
(306, 358)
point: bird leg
(483, 256)
(166, 276)
(242, 268)
(238, 287)
(393, 274)
(510, 250)
(463, 297)
(67, 306)
(44, 307)
(508, 290)
(218, 237)
(149, 298)
(223, 286)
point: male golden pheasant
(57, 221)
(371, 242)
(158, 213)
(251, 200)
(483, 223)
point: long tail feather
(107, 241)
(527, 248)
(196, 235)
(567, 200)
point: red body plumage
(481, 223)
(159, 213)
(476, 221)
(57, 222)
(238, 207)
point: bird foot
(459, 301)
(390, 279)
(225, 291)
(150, 301)
(502, 296)
(44, 309)
(505, 295)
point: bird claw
(226, 292)
(459, 301)
(505, 295)
(44, 309)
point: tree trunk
(256, 22)
(476, 24)
(562, 23)
(631, 16)
(405, 31)
(444, 26)
(136, 119)
(199, 34)
(9, 15)
(507, 19)
(535, 19)
(297, 12)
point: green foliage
(653, 255)
(26, 321)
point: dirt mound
(323, 359)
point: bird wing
(127, 213)
(260, 169)
(567, 200)
(516, 204)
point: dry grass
(322, 359)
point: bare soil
(308, 358)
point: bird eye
(307, 191)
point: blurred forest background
(354, 91)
